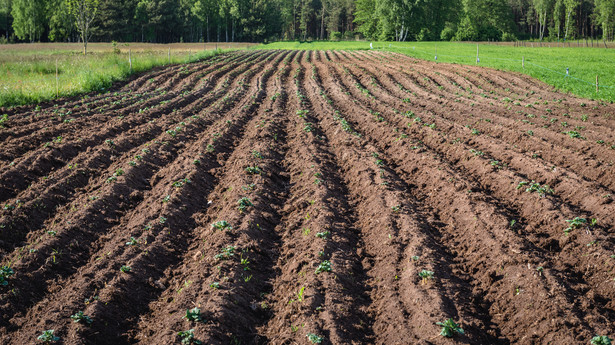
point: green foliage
(194, 315)
(48, 337)
(578, 223)
(601, 340)
(80, 317)
(243, 204)
(542, 190)
(324, 266)
(5, 272)
(315, 339)
(3, 120)
(449, 328)
(222, 225)
(187, 337)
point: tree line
(164, 21)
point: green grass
(544, 63)
(28, 72)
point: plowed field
(235, 184)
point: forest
(164, 21)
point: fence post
(477, 58)
(597, 87)
(57, 82)
(130, 59)
(523, 62)
(169, 54)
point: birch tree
(84, 12)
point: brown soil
(380, 164)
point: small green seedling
(542, 190)
(214, 285)
(187, 337)
(323, 234)
(575, 223)
(125, 269)
(194, 315)
(426, 276)
(226, 253)
(47, 337)
(222, 225)
(5, 272)
(324, 266)
(449, 328)
(601, 340)
(254, 170)
(314, 339)
(133, 242)
(243, 204)
(80, 317)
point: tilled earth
(129, 206)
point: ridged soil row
(478, 233)
(400, 242)
(54, 153)
(226, 270)
(59, 119)
(590, 166)
(315, 231)
(74, 232)
(545, 230)
(40, 200)
(573, 189)
(595, 127)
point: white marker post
(57, 82)
(477, 58)
(523, 62)
(169, 54)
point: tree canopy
(267, 20)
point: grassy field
(28, 71)
(545, 63)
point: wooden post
(169, 54)
(130, 59)
(597, 87)
(523, 62)
(57, 82)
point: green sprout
(601, 340)
(48, 337)
(426, 276)
(243, 203)
(222, 225)
(226, 253)
(5, 272)
(324, 266)
(194, 315)
(254, 170)
(125, 269)
(575, 223)
(187, 337)
(314, 339)
(449, 328)
(80, 317)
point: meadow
(546, 63)
(28, 71)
